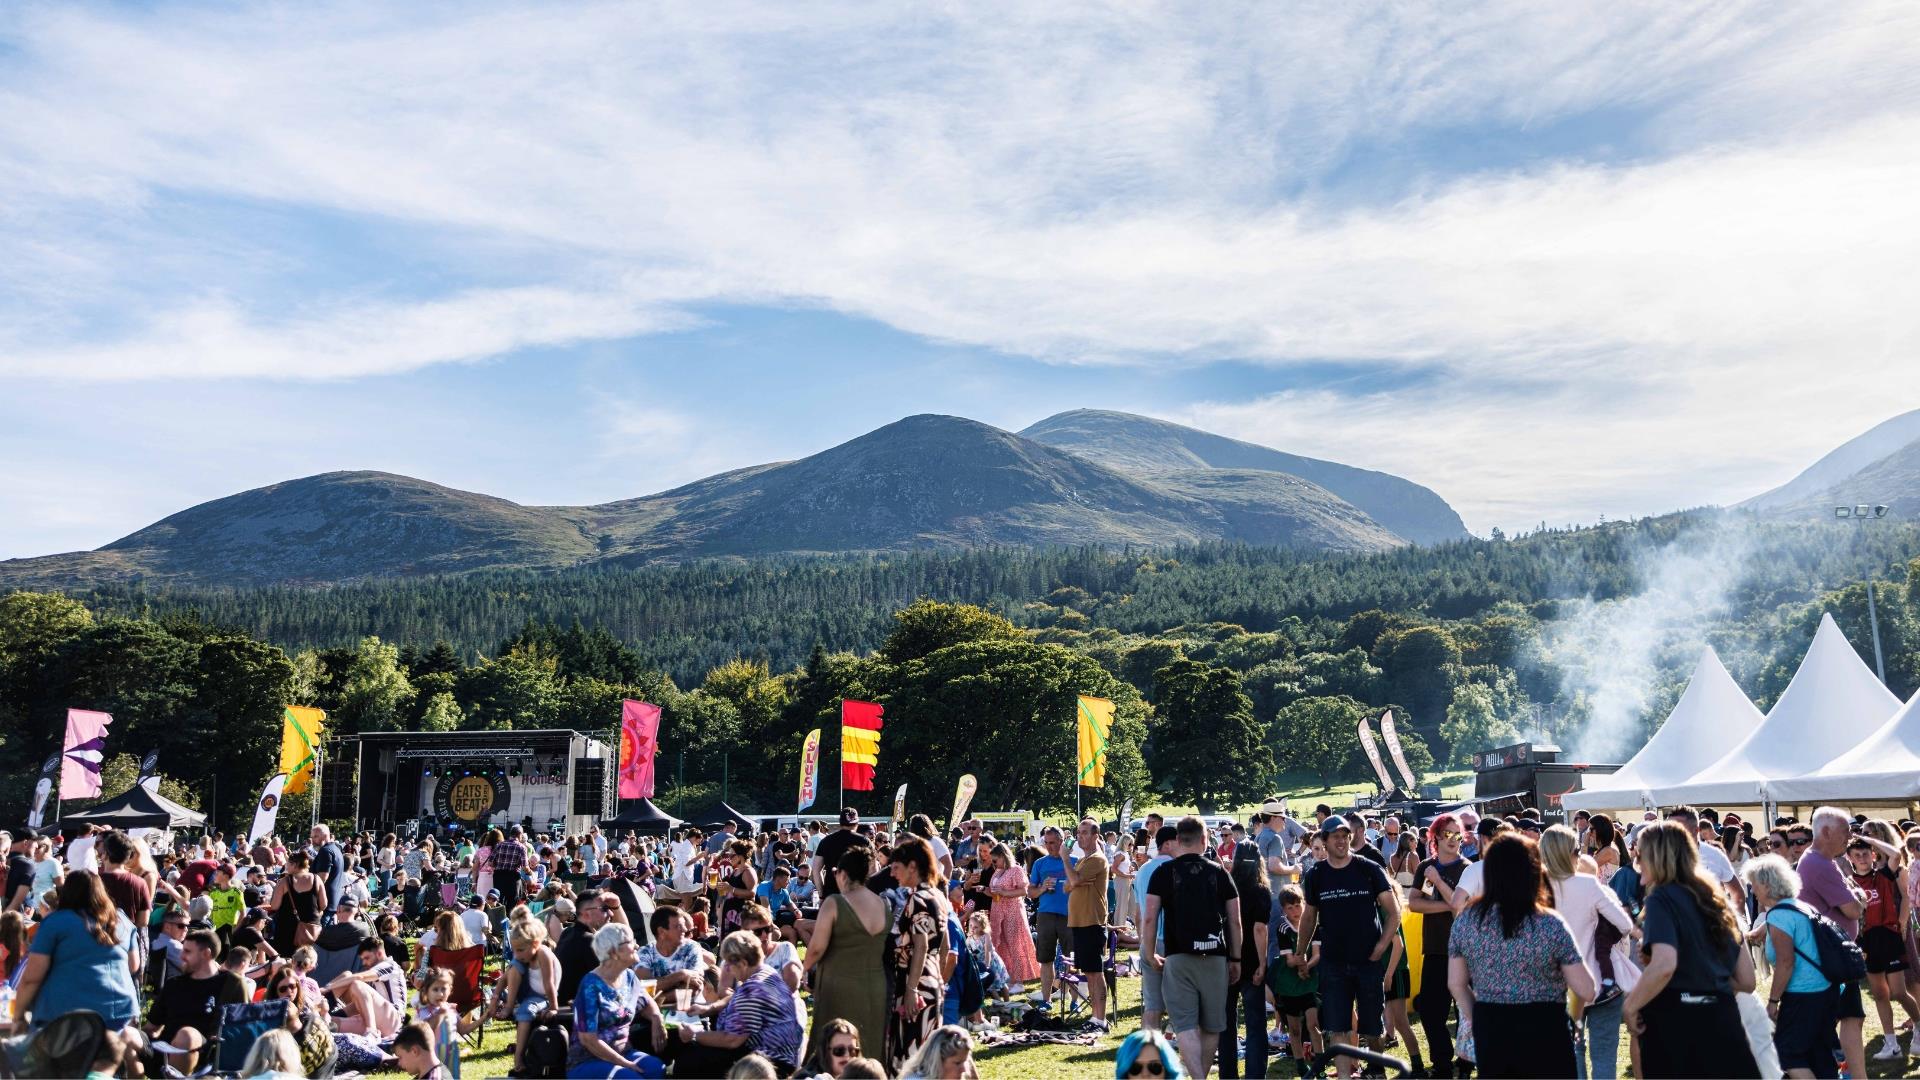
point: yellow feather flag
(300, 734)
(1096, 720)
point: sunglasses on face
(1775, 844)
(1800, 841)
(1147, 1067)
(762, 931)
(841, 1051)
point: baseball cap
(1334, 824)
(1491, 827)
(849, 816)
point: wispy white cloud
(1709, 280)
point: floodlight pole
(1860, 514)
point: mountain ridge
(1147, 446)
(925, 481)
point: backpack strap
(1799, 909)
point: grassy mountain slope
(1145, 446)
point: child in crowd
(1293, 974)
(304, 960)
(779, 900)
(443, 1018)
(993, 970)
(413, 1046)
(227, 903)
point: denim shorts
(1345, 985)
(529, 1008)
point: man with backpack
(1354, 906)
(1828, 889)
(1201, 935)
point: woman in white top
(1583, 902)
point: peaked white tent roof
(1833, 704)
(1884, 768)
(1712, 715)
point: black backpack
(547, 1045)
(1195, 917)
(1840, 960)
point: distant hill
(1845, 460)
(1881, 466)
(922, 482)
(1149, 447)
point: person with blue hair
(1146, 1053)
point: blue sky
(1553, 264)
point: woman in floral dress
(1012, 938)
(919, 953)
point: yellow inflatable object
(1412, 923)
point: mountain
(1893, 480)
(921, 482)
(1835, 472)
(1148, 447)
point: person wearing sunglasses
(839, 1044)
(782, 957)
(1146, 1053)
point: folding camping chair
(468, 966)
(1071, 985)
(330, 964)
(241, 1026)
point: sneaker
(1099, 1027)
(1890, 1049)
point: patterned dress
(925, 915)
(1012, 937)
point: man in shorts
(1354, 909)
(1201, 935)
(1049, 888)
(1087, 918)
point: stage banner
(301, 727)
(1393, 748)
(809, 770)
(1096, 720)
(859, 744)
(639, 739)
(268, 808)
(963, 798)
(1373, 755)
(84, 749)
(899, 810)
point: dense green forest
(1229, 664)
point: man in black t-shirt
(330, 865)
(19, 890)
(1353, 906)
(186, 1012)
(835, 844)
(1201, 935)
(575, 947)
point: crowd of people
(857, 950)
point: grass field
(1047, 1061)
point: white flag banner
(151, 783)
(1373, 754)
(267, 809)
(1393, 748)
(40, 792)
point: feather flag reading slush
(300, 730)
(1096, 720)
(84, 750)
(809, 770)
(639, 738)
(859, 744)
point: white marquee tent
(1885, 768)
(1711, 716)
(1833, 704)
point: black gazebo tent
(136, 808)
(718, 812)
(642, 816)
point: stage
(405, 781)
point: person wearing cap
(832, 847)
(1356, 911)
(348, 929)
(1277, 838)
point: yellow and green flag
(300, 734)
(1096, 720)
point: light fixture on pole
(1862, 512)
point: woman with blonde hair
(1683, 1009)
(447, 933)
(531, 978)
(1585, 904)
(274, 1054)
(946, 1055)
